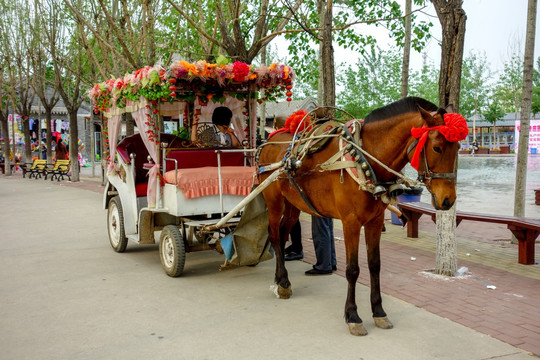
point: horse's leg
(351, 232)
(373, 236)
(280, 224)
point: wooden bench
(58, 170)
(526, 230)
(35, 169)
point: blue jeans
(322, 232)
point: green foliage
(493, 112)
(375, 81)
(510, 83)
(385, 13)
(475, 85)
(425, 83)
(535, 106)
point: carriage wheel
(115, 225)
(172, 251)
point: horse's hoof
(383, 322)
(357, 329)
(284, 293)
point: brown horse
(385, 134)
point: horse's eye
(437, 149)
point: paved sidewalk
(73, 297)
(509, 312)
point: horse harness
(349, 157)
(427, 175)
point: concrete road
(65, 294)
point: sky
(494, 27)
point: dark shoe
(294, 256)
(290, 249)
(383, 228)
(318, 272)
(334, 268)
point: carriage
(172, 179)
(349, 170)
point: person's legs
(296, 239)
(322, 230)
(294, 251)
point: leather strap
(302, 194)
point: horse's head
(435, 155)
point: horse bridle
(427, 175)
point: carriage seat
(134, 145)
(197, 158)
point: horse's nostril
(446, 204)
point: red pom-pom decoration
(294, 122)
(454, 129)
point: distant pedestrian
(474, 147)
(61, 151)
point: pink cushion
(204, 181)
(188, 159)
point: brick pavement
(509, 313)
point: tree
(510, 83)
(4, 113)
(491, 114)
(71, 64)
(16, 66)
(452, 18)
(523, 144)
(475, 87)
(406, 50)
(535, 106)
(425, 83)
(373, 82)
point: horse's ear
(427, 116)
(449, 108)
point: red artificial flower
(240, 70)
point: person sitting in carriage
(220, 132)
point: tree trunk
(523, 145)
(320, 83)
(48, 118)
(73, 145)
(262, 120)
(328, 75)
(452, 18)
(5, 145)
(446, 249)
(406, 50)
(27, 142)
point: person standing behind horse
(322, 232)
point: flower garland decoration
(454, 129)
(184, 81)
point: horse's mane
(402, 106)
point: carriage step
(209, 221)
